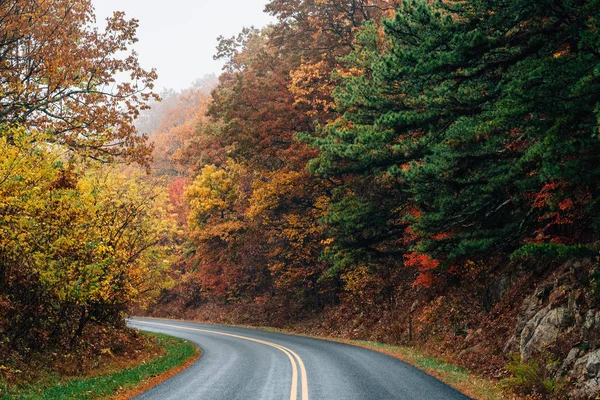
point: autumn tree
(286, 205)
(177, 131)
(59, 74)
(80, 241)
(277, 83)
(320, 34)
(228, 250)
(253, 101)
(77, 245)
(248, 138)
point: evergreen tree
(484, 114)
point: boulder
(543, 330)
(569, 361)
(587, 372)
(592, 367)
(530, 307)
(591, 389)
(578, 370)
(592, 321)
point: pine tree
(483, 118)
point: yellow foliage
(311, 85)
(267, 193)
(88, 233)
(355, 279)
(215, 193)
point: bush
(533, 378)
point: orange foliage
(423, 262)
(178, 131)
(425, 280)
(59, 75)
(312, 87)
(176, 191)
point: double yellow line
(294, 358)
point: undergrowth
(55, 387)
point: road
(240, 363)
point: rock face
(592, 321)
(586, 372)
(543, 330)
(561, 312)
(592, 366)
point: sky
(178, 37)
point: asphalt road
(248, 364)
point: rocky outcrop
(592, 321)
(586, 375)
(562, 312)
(543, 330)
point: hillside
(405, 172)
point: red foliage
(442, 236)
(454, 270)
(516, 143)
(422, 262)
(176, 191)
(425, 280)
(566, 204)
(542, 197)
(563, 213)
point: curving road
(240, 363)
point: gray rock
(586, 373)
(573, 302)
(578, 371)
(591, 390)
(529, 309)
(530, 326)
(592, 367)
(511, 346)
(569, 361)
(543, 330)
(592, 320)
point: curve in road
(241, 363)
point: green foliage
(553, 251)
(525, 376)
(483, 118)
(530, 378)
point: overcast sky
(178, 37)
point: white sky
(178, 37)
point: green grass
(178, 351)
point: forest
(411, 172)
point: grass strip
(122, 384)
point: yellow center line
(291, 355)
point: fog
(178, 37)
